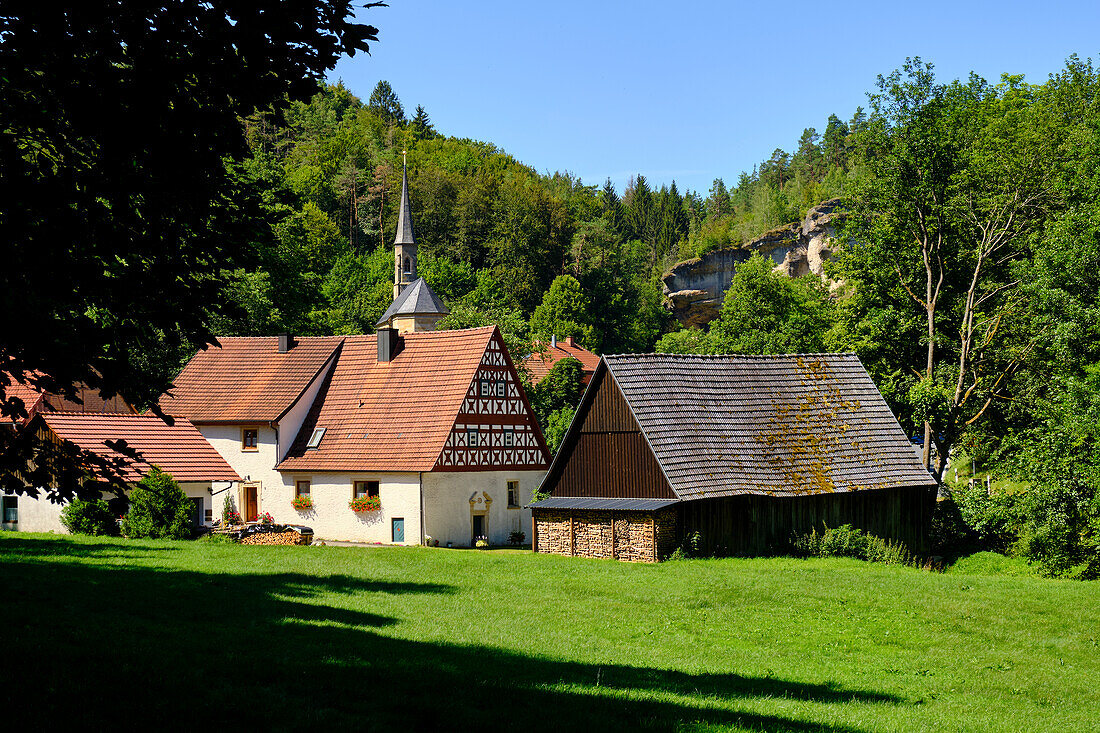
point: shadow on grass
(125, 646)
(47, 546)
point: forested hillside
(494, 234)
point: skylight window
(315, 439)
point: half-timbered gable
(495, 426)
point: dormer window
(315, 439)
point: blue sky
(688, 90)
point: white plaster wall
(39, 514)
(256, 466)
(200, 490)
(332, 519)
(296, 415)
(447, 512)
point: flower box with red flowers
(302, 503)
(365, 504)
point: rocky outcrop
(694, 289)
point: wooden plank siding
(608, 456)
(757, 525)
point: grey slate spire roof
(404, 214)
(415, 300)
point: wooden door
(197, 501)
(251, 504)
(479, 527)
(398, 530)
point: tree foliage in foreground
(125, 198)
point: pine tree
(612, 207)
(677, 213)
(835, 143)
(718, 203)
(641, 215)
(422, 126)
(384, 102)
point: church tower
(404, 244)
(415, 307)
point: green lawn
(175, 634)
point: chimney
(570, 341)
(286, 342)
(389, 344)
(553, 341)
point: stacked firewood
(287, 537)
(629, 536)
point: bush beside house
(158, 509)
(89, 517)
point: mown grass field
(177, 634)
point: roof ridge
(735, 356)
(104, 413)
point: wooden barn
(744, 450)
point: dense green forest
(494, 234)
(967, 277)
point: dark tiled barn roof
(772, 425)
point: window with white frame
(513, 494)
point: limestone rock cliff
(694, 289)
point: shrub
(992, 518)
(89, 517)
(230, 515)
(1062, 531)
(847, 541)
(158, 509)
(516, 537)
(949, 534)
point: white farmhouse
(392, 438)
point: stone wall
(629, 536)
(694, 289)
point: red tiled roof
(27, 394)
(545, 357)
(35, 400)
(390, 416)
(247, 379)
(177, 449)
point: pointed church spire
(404, 244)
(404, 214)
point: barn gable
(606, 453)
(495, 425)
